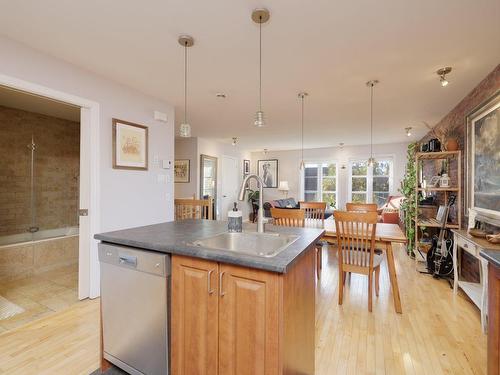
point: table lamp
(283, 187)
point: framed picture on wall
(246, 167)
(268, 171)
(130, 145)
(483, 158)
(182, 171)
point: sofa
(389, 212)
(279, 203)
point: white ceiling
(38, 104)
(328, 48)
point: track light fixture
(408, 131)
(442, 75)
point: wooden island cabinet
(233, 320)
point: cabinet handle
(209, 282)
(221, 292)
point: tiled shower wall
(56, 173)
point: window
(320, 182)
(370, 184)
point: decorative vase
(451, 144)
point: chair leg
(341, 285)
(370, 289)
(377, 280)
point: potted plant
(408, 205)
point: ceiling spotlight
(221, 95)
(442, 75)
(234, 141)
(265, 151)
(408, 131)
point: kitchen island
(234, 312)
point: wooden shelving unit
(456, 188)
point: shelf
(438, 189)
(437, 155)
(433, 223)
(473, 290)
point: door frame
(88, 262)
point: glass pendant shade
(371, 161)
(259, 119)
(185, 131)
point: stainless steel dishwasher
(135, 287)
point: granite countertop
(492, 256)
(174, 238)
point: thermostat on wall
(160, 116)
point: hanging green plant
(409, 189)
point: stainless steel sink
(260, 244)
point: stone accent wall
(56, 173)
(454, 123)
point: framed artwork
(130, 145)
(246, 167)
(483, 158)
(268, 171)
(182, 171)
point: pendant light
(370, 84)
(260, 16)
(302, 96)
(185, 41)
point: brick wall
(56, 172)
(454, 122)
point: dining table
(385, 235)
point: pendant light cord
(260, 64)
(302, 126)
(185, 82)
(371, 120)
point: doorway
(39, 206)
(208, 180)
(89, 194)
(229, 185)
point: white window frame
(369, 177)
(320, 179)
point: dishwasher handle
(128, 260)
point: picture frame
(482, 159)
(268, 171)
(130, 145)
(182, 171)
(246, 167)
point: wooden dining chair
(286, 217)
(315, 216)
(187, 208)
(356, 248)
(361, 207)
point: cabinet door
(249, 304)
(194, 328)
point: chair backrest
(356, 237)
(193, 209)
(288, 217)
(361, 207)
(314, 210)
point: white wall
(128, 198)
(187, 148)
(289, 163)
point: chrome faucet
(261, 220)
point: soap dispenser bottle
(235, 220)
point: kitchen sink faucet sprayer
(261, 220)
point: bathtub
(41, 235)
(28, 254)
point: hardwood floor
(437, 333)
